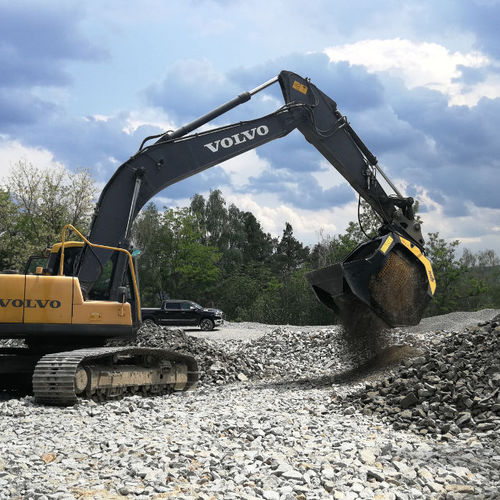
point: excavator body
(85, 292)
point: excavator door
(386, 278)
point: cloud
(419, 84)
(12, 152)
(308, 226)
(422, 64)
(476, 228)
(179, 194)
(417, 136)
(18, 107)
(35, 40)
(190, 89)
(244, 168)
(460, 153)
(36, 44)
(183, 92)
(479, 17)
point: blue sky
(83, 82)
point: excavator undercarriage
(99, 373)
(110, 372)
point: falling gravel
(288, 414)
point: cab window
(33, 262)
(173, 305)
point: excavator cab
(49, 299)
(388, 278)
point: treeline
(219, 255)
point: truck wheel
(207, 324)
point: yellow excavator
(68, 305)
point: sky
(82, 83)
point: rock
(463, 418)
(459, 488)
(293, 474)
(375, 474)
(279, 434)
(271, 495)
(440, 387)
(367, 456)
(409, 400)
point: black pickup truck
(183, 313)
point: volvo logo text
(31, 303)
(239, 138)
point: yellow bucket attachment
(386, 278)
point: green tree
(455, 286)
(45, 200)
(216, 220)
(483, 266)
(192, 265)
(173, 260)
(333, 249)
(11, 240)
(148, 236)
(290, 253)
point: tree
(368, 221)
(197, 209)
(216, 220)
(468, 259)
(148, 237)
(483, 266)
(45, 200)
(192, 266)
(11, 240)
(173, 259)
(487, 258)
(455, 286)
(259, 245)
(290, 252)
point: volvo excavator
(68, 306)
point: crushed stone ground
(282, 412)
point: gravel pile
(237, 441)
(283, 353)
(271, 419)
(454, 385)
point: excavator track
(60, 378)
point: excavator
(69, 305)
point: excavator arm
(179, 154)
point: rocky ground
(280, 413)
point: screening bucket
(386, 278)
